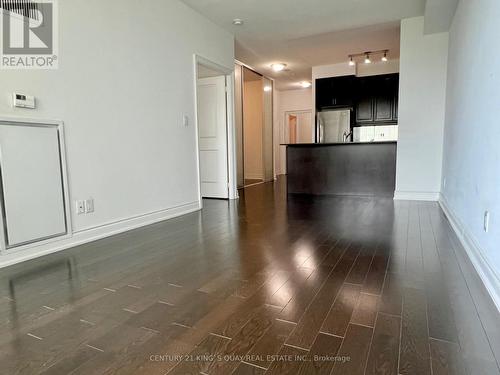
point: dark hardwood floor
(271, 284)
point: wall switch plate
(486, 224)
(80, 207)
(89, 205)
(185, 120)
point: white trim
(485, 271)
(231, 138)
(98, 232)
(416, 196)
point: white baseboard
(486, 273)
(416, 196)
(98, 232)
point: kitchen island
(358, 169)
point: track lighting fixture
(367, 56)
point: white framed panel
(33, 196)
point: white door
(212, 132)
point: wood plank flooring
(270, 284)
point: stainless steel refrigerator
(333, 126)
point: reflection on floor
(383, 285)
(249, 181)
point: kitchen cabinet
(376, 101)
(374, 98)
(337, 92)
(364, 110)
(395, 108)
(383, 110)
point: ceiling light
(367, 59)
(267, 88)
(351, 61)
(278, 67)
(384, 58)
(238, 22)
(305, 84)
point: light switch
(185, 120)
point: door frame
(228, 72)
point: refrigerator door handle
(319, 133)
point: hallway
(370, 285)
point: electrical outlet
(486, 224)
(80, 207)
(89, 205)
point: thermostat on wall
(23, 101)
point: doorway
(213, 114)
(297, 128)
(254, 127)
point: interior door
(212, 132)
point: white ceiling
(305, 33)
(439, 15)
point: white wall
(377, 68)
(289, 100)
(422, 91)
(471, 162)
(122, 87)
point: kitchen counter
(359, 168)
(333, 144)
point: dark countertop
(336, 144)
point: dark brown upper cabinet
(374, 98)
(364, 110)
(336, 92)
(383, 110)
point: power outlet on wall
(80, 207)
(84, 206)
